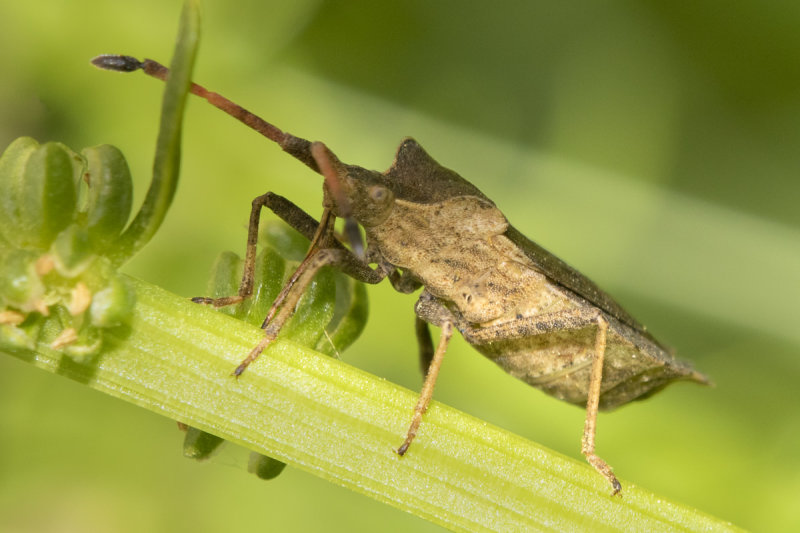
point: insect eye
(378, 193)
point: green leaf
(168, 151)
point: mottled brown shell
(516, 303)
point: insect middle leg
(427, 388)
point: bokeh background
(654, 145)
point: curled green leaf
(167, 159)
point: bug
(427, 227)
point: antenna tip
(117, 62)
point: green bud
(113, 305)
(271, 270)
(72, 252)
(224, 280)
(264, 467)
(48, 195)
(314, 311)
(349, 317)
(13, 338)
(20, 286)
(288, 242)
(110, 194)
(86, 346)
(199, 445)
(12, 178)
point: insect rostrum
(427, 227)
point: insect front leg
(323, 251)
(248, 272)
(296, 217)
(304, 224)
(284, 305)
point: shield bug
(427, 227)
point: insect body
(426, 226)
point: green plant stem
(321, 415)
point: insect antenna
(291, 144)
(299, 148)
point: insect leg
(572, 319)
(324, 250)
(592, 404)
(404, 283)
(307, 226)
(304, 224)
(425, 343)
(427, 387)
(284, 306)
(248, 274)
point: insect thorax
(458, 250)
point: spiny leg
(324, 250)
(283, 307)
(306, 225)
(325, 227)
(592, 406)
(427, 388)
(248, 273)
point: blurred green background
(653, 145)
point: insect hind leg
(592, 406)
(572, 319)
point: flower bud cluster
(60, 213)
